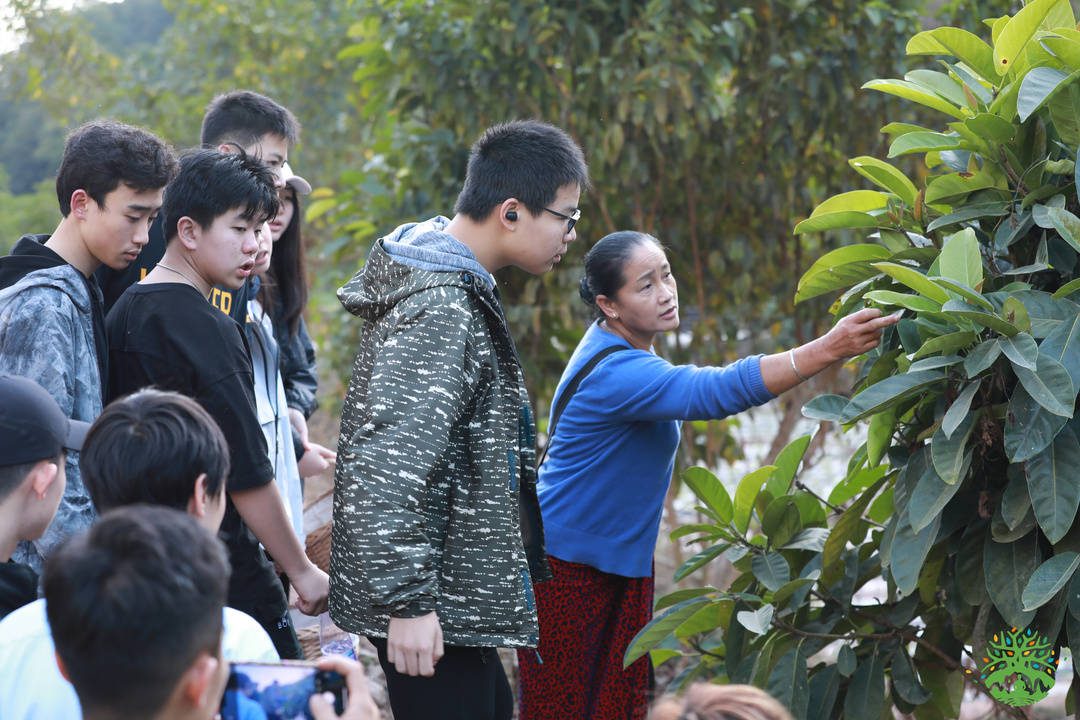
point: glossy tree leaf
(1015, 313)
(846, 525)
(824, 687)
(826, 407)
(866, 695)
(1048, 579)
(812, 538)
(914, 93)
(879, 434)
(1063, 345)
(930, 496)
(960, 259)
(965, 292)
(916, 303)
(746, 494)
(921, 142)
(915, 280)
(959, 409)
(960, 44)
(1052, 485)
(946, 344)
(788, 681)
(905, 679)
(836, 221)
(704, 620)
(710, 491)
(1017, 32)
(1038, 87)
(660, 627)
(981, 357)
(1067, 225)
(678, 596)
(1021, 350)
(935, 362)
(962, 309)
(840, 268)
(701, 559)
(1050, 385)
(939, 83)
(971, 212)
(845, 660)
(772, 570)
(908, 551)
(756, 621)
(885, 175)
(989, 126)
(782, 595)
(880, 394)
(953, 188)
(787, 463)
(1067, 289)
(970, 577)
(855, 200)
(1015, 503)
(949, 453)
(1008, 567)
(781, 520)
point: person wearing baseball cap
(34, 438)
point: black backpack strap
(570, 389)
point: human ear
(197, 683)
(80, 203)
(187, 230)
(42, 476)
(508, 212)
(607, 307)
(199, 498)
(60, 666)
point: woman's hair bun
(586, 292)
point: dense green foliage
(958, 517)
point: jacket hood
(63, 277)
(425, 257)
(28, 255)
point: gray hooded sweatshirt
(47, 335)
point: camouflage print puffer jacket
(435, 491)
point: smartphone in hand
(278, 691)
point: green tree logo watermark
(1020, 667)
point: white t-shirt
(31, 685)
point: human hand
(857, 333)
(316, 460)
(312, 590)
(360, 706)
(414, 645)
(299, 423)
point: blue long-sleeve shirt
(602, 486)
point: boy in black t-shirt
(163, 331)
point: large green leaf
(1038, 87)
(907, 553)
(824, 687)
(1052, 485)
(939, 83)
(1018, 31)
(1015, 503)
(885, 175)
(1063, 345)
(660, 627)
(929, 498)
(1067, 225)
(788, 681)
(852, 201)
(756, 621)
(950, 343)
(1050, 385)
(808, 539)
(965, 292)
(1021, 350)
(922, 141)
(866, 695)
(1048, 578)
(787, 462)
(710, 490)
(949, 453)
(1029, 427)
(960, 259)
(1008, 567)
(701, 559)
(914, 93)
(891, 388)
(1045, 312)
(836, 221)
(961, 309)
(1065, 49)
(746, 494)
(916, 303)
(960, 44)
(840, 268)
(914, 279)
(991, 127)
(781, 520)
(678, 596)
(981, 357)
(905, 680)
(826, 407)
(845, 527)
(951, 189)
(846, 661)
(971, 212)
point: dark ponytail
(604, 264)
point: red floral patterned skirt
(587, 620)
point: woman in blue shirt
(610, 460)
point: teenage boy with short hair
(164, 332)
(436, 457)
(52, 326)
(153, 447)
(34, 435)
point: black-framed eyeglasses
(571, 220)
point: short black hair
(524, 159)
(132, 603)
(211, 183)
(12, 475)
(149, 447)
(101, 154)
(243, 117)
(605, 263)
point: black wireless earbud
(511, 215)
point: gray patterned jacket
(435, 490)
(47, 335)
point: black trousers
(469, 684)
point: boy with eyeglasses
(437, 535)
